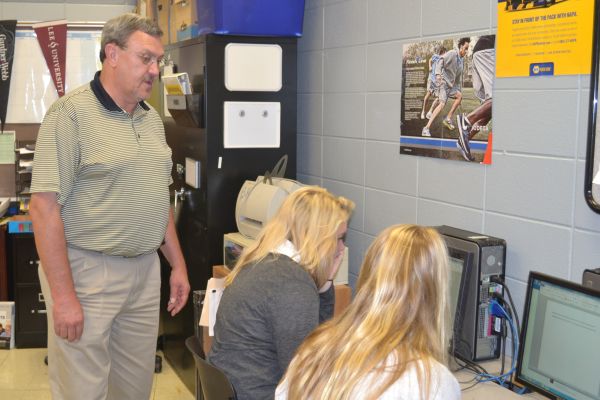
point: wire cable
(511, 306)
(497, 310)
(499, 280)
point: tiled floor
(24, 376)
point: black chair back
(213, 382)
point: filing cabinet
(30, 309)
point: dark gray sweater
(263, 317)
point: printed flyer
(7, 322)
(544, 37)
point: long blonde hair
(400, 309)
(309, 218)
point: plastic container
(189, 32)
(251, 17)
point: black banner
(7, 52)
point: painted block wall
(71, 10)
(350, 71)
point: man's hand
(68, 318)
(178, 283)
(180, 290)
(52, 249)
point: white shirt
(444, 385)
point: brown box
(151, 9)
(220, 271)
(343, 297)
(162, 16)
(146, 8)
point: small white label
(478, 237)
(192, 172)
(219, 163)
(498, 325)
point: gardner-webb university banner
(52, 37)
(7, 51)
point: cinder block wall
(350, 70)
(71, 10)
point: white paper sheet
(7, 147)
(214, 291)
(596, 180)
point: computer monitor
(560, 340)
(456, 263)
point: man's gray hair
(117, 30)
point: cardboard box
(182, 19)
(343, 298)
(162, 16)
(7, 324)
(146, 8)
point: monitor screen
(560, 340)
(456, 270)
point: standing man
(100, 210)
(448, 73)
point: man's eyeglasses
(148, 59)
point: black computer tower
(483, 259)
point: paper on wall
(7, 147)
(596, 180)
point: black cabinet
(30, 324)
(204, 214)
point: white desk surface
(488, 390)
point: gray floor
(24, 376)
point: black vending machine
(195, 133)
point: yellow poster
(544, 37)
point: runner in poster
(484, 59)
(448, 77)
(431, 83)
(456, 78)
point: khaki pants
(114, 359)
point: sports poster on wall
(544, 37)
(446, 105)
